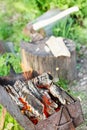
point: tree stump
(37, 58)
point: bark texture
(40, 60)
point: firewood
(69, 99)
(34, 90)
(43, 96)
(14, 110)
(43, 81)
(37, 106)
(56, 92)
(59, 93)
(23, 91)
(25, 100)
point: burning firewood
(44, 97)
(27, 102)
(59, 93)
(43, 81)
(56, 92)
(34, 90)
(46, 81)
(39, 97)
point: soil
(79, 87)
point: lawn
(15, 14)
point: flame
(27, 70)
(46, 109)
(25, 105)
(47, 102)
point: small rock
(83, 83)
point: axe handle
(43, 23)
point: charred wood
(13, 109)
(26, 98)
(43, 81)
(59, 93)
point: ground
(80, 84)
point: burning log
(25, 100)
(13, 109)
(43, 96)
(40, 99)
(59, 93)
(46, 81)
(43, 80)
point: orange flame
(25, 66)
(47, 102)
(25, 105)
(46, 109)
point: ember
(38, 98)
(25, 105)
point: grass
(14, 15)
(10, 123)
(68, 28)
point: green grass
(7, 60)
(68, 28)
(15, 14)
(10, 123)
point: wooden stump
(37, 58)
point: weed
(11, 123)
(63, 83)
(5, 61)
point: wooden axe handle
(43, 23)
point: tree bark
(38, 59)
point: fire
(25, 67)
(47, 102)
(46, 109)
(25, 105)
(34, 120)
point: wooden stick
(62, 14)
(2, 118)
